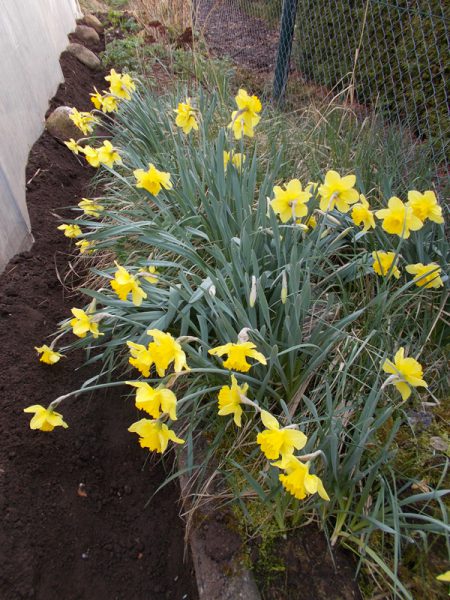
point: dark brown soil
(74, 521)
(303, 567)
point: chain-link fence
(388, 55)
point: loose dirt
(75, 523)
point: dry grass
(174, 14)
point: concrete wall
(33, 33)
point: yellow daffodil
(83, 322)
(290, 203)
(337, 192)
(152, 180)
(230, 400)
(70, 231)
(382, 263)
(164, 350)
(425, 206)
(237, 355)
(246, 118)
(150, 274)
(298, 481)
(92, 156)
(85, 247)
(124, 283)
(90, 207)
(96, 99)
(444, 577)
(109, 104)
(276, 441)
(311, 222)
(155, 401)
(108, 155)
(45, 419)
(140, 358)
(428, 276)
(120, 85)
(48, 355)
(73, 146)
(186, 117)
(237, 159)
(83, 120)
(154, 435)
(399, 219)
(405, 373)
(362, 215)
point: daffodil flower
(155, 401)
(109, 103)
(108, 155)
(150, 274)
(92, 156)
(152, 180)
(45, 419)
(383, 261)
(70, 231)
(238, 354)
(73, 146)
(47, 355)
(186, 117)
(82, 323)
(297, 479)
(83, 120)
(120, 85)
(337, 192)
(399, 219)
(154, 435)
(90, 207)
(275, 441)
(362, 215)
(140, 358)
(237, 159)
(290, 203)
(428, 276)
(406, 373)
(230, 400)
(124, 283)
(246, 118)
(164, 350)
(425, 206)
(85, 247)
(96, 99)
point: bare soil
(75, 523)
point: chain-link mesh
(387, 55)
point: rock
(92, 21)
(60, 126)
(85, 56)
(87, 34)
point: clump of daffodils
(334, 201)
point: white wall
(33, 33)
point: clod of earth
(85, 56)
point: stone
(87, 34)
(85, 56)
(60, 126)
(91, 21)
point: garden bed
(75, 520)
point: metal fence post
(284, 49)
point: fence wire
(388, 55)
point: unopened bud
(284, 288)
(252, 298)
